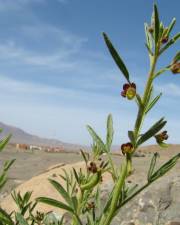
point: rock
(139, 154)
(156, 205)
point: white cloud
(21, 90)
(31, 107)
(65, 46)
(27, 105)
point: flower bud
(175, 67)
(92, 167)
(161, 136)
(150, 29)
(91, 205)
(164, 39)
(127, 148)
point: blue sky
(56, 75)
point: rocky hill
(20, 136)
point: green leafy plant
(4, 217)
(7, 164)
(82, 191)
(82, 199)
(26, 213)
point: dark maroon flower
(92, 167)
(127, 148)
(164, 40)
(129, 91)
(161, 136)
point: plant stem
(129, 164)
(142, 108)
(107, 218)
(133, 195)
(76, 220)
(141, 111)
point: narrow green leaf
(3, 179)
(171, 25)
(149, 96)
(84, 155)
(161, 30)
(156, 27)
(76, 176)
(131, 190)
(8, 164)
(5, 218)
(98, 199)
(139, 100)
(21, 219)
(96, 139)
(152, 131)
(61, 191)
(4, 142)
(177, 57)
(131, 137)
(152, 103)
(116, 57)
(110, 132)
(55, 203)
(61, 221)
(165, 168)
(149, 50)
(170, 42)
(163, 145)
(148, 37)
(152, 166)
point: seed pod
(93, 181)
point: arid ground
(28, 164)
(31, 171)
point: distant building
(22, 146)
(35, 147)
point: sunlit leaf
(119, 62)
(152, 166)
(152, 131)
(110, 132)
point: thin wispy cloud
(170, 89)
(58, 45)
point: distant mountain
(20, 136)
